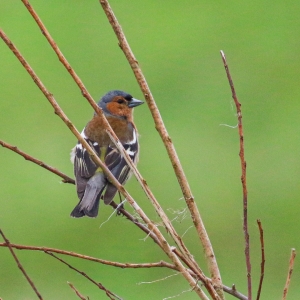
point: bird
(91, 183)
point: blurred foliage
(177, 45)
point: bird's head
(118, 103)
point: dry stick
(164, 244)
(8, 244)
(98, 284)
(288, 280)
(243, 177)
(115, 140)
(262, 264)
(66, 179)
(76, 291)
(160, 127)
(232, 291)
(113, 137)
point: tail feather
(89, 204)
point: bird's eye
(121, 101)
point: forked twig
(262, 264)
(8, 244)
(243, 177)
(288, 279)
(66, 179)
(98, 284)
(76, 291)
(159, 124)
(90, 258)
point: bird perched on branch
(91, 182)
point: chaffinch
(90, 179)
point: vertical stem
(243, 177)
(262, 264)
(288, 279)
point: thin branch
(157, 280)
(288, 280)
(66, 179)
(9, 245)
(168, 225)
(262, 264)
(90, 258)
(76, 291)
(243, 177)
(98, 284)
(160, 127)
(134, 220)
(233, 292)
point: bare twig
(8, 244)
(243, 177)
(109, 294)
(76, 291)
(66, 179)
(232, 291)
(288, 279)
(90, 258)
(157, 280)
(134, 220)
(159, 124)
(262, 264)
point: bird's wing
(84, 167)
(118, 166)
(83, 164)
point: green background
(177, 44)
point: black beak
(134, 102)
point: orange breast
(95, 130)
